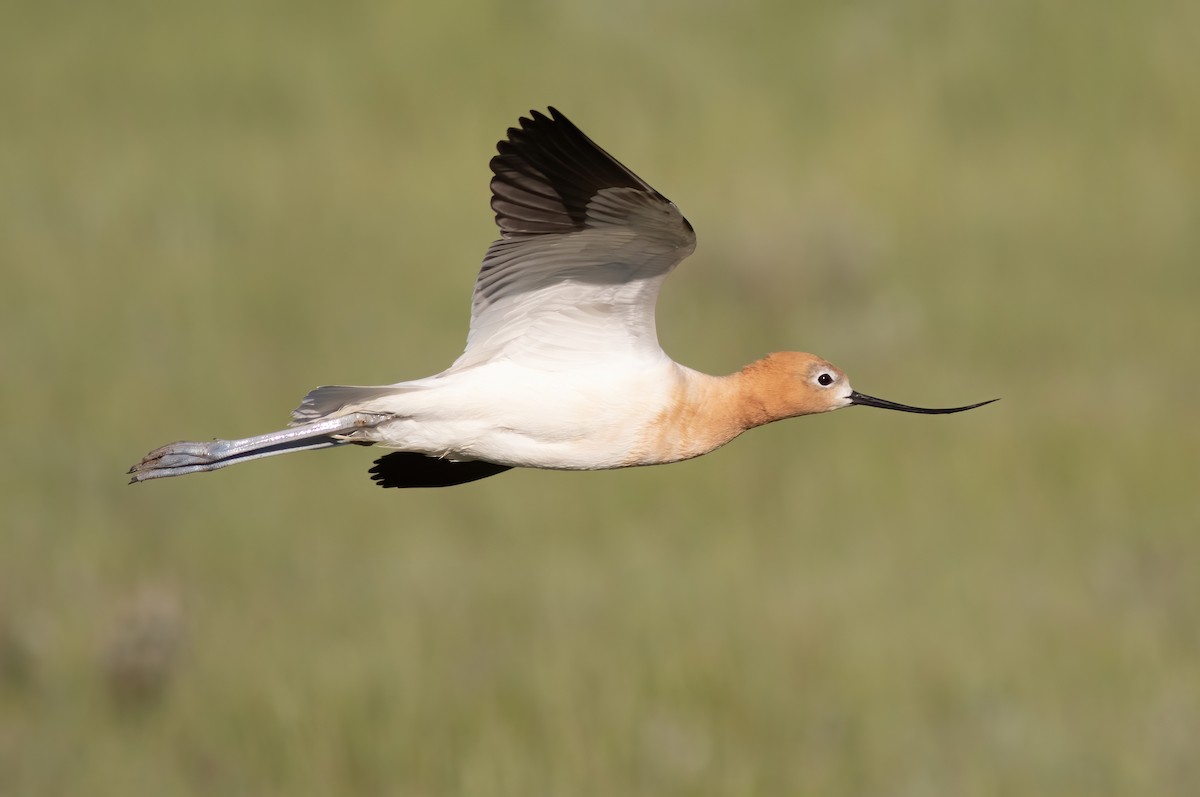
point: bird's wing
(584, 247)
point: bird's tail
(322, 402)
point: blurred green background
(207, 209)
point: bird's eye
(825, 379)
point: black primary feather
(547, 171)
(409, 469)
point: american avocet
(562, 368)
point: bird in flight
(562, 368)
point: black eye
(825, 379)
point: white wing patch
(567, 298)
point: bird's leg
(184, 457)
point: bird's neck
(706, 412)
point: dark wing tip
(545, 173)
(410, 469)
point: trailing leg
(184, 457)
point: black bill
(871, 401)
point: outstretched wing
(584, 247)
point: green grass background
(208, 208)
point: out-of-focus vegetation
(207, 209)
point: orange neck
(708, 411)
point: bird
(562, 368)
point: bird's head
(797, 383)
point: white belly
(592, 418)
